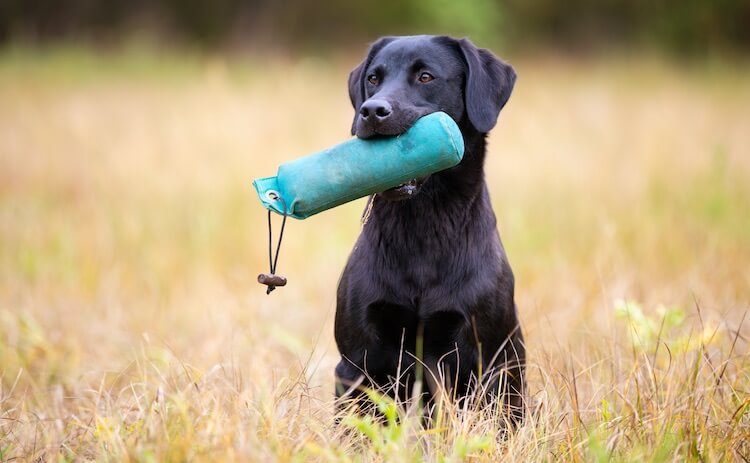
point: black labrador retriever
(428, 283)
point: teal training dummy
(354, 169)
(358, 168)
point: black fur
(431, 267)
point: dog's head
(405, 78)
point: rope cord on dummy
(271, 279)
(353, 169)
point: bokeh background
(691, 27)
(131, 325)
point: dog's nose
(375, 110)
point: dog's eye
(373, 79)
(426, 77)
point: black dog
(428, 282)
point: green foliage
(26, 346)
(397, 435)
(597, 446)
(644, 330)
(467, 446)
(481, 20)
(385, 438)
(687, 27)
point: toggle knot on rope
(271, 279)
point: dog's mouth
(406, 190)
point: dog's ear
(357, 78)
(489, 82)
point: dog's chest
(432, 272)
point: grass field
(132, 328)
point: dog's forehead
(405, 51)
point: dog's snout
(378, 110)
(383, 116)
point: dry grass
(131, 327)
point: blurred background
(692, 27)
(130, 237)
